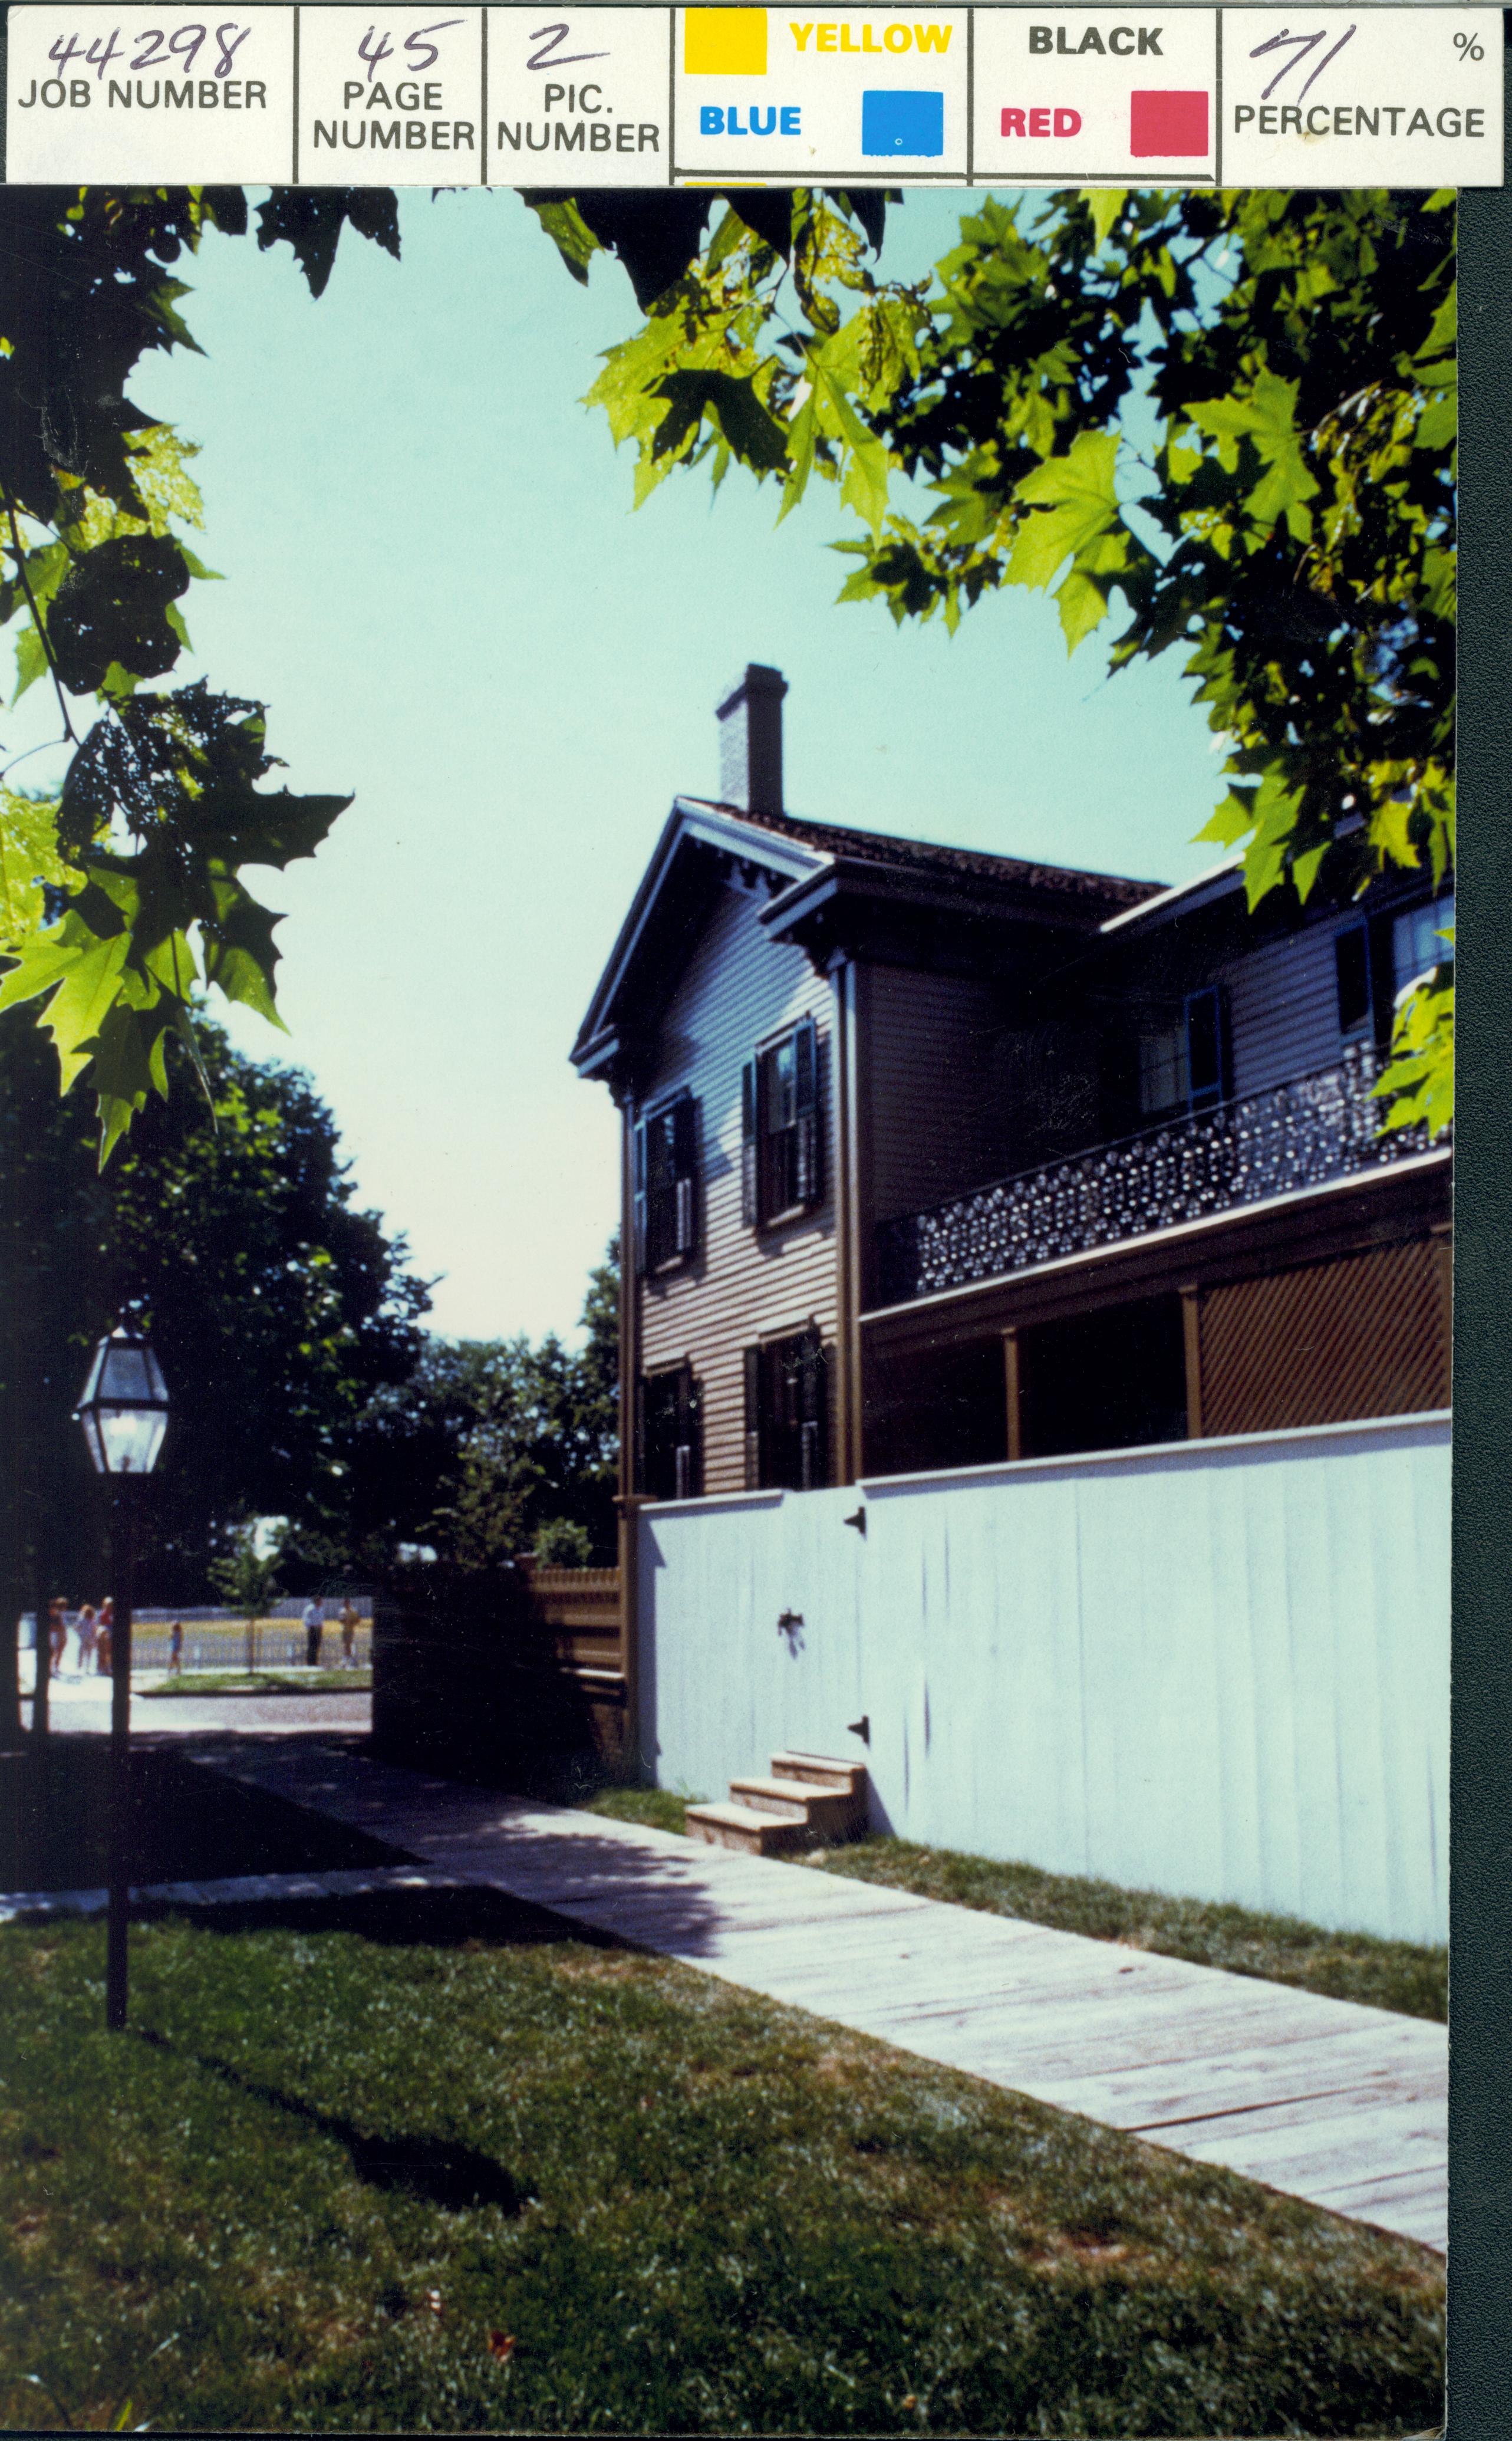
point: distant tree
(246, 1577)
(485, 1444)
(278, 1308)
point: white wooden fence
(1218, 1668)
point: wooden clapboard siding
(738, 989)
(1284, 1009)
(1368, 1335)
(932, 1131)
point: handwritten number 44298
(183, 47)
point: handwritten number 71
(1302, 46)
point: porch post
(1013, 1388)
(627, 1503)
(1191, 1342)
(847, 1225)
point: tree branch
(37, 621)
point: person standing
(175, 1648)
(105, 1639)
(57, 1635)
(315, 1619)
(88, 1631)
(347, 1621)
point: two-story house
(934, 1158)
(1035, 1358)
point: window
(788, 1439)
(1418, 944)
(670, 1439)
(1162, 1071)
(1183, 1066)
(1351, 977)
(666, 1216)
(780, 1168)
(1205, 1049)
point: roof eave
(711, 825)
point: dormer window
(666, 1214)
(780, 1168)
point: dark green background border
(1480, 1770)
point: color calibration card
(1014, 95)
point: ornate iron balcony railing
(1283, 1142)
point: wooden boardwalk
(1343, 2105)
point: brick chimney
(751, 740)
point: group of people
(96, 1633)
(348, 1619)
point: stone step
(826, 1813)
(821, 1771)
(743, 1827)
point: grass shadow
(455, 2177)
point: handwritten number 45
(375, 48)
(184, 46)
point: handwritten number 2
(545, 57)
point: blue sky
(438, 584)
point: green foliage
(243, 1575)
(1419, 1082)
(1227, 420)
(118, 897)
(278, 1308)
(561, 1542)
(485, 1447)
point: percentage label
(1468, 48)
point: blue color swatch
(895, 122)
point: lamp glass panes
(124, 1406)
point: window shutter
(685, 1173)
(753, 1420)
(814, 1425)
(749, 1206)
(807, 1167)
(638, 1223)
(688, 1469)
(1205, 1048)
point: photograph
(727, 1023)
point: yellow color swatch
(724, 42)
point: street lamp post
(125, 1414)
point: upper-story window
(1417, 942)
(781, 1166)
(1183, 1065)
(1353, 983)
(666, 1214)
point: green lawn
(433, 2165)
(259, 1682)
(1343, 1966)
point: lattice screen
(1368, 1335)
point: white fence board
(1218, 1668)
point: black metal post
(123, 1540)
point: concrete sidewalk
(1341, 2105)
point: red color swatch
(1168, 124)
